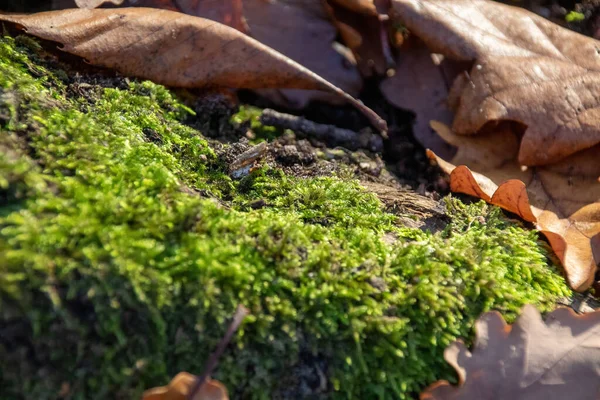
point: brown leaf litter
(562, 200)
(526, 69)
(299, 29)
(543, 166)
(176, 50)
(302, 31)
(421, 84)
(181, 387)
(364, 28)
(555, 359)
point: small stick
(240, 313)
(328, 133)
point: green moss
(574, 16)
(115, 276)
(250, 114)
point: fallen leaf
(175, 49)
(182, 384)
(299, 29)
(228, 12)
(366, 7)
(422, 86)
(185, 386)
(555, 359)
(526, 69)
(363, 27)
(562, 200)
(302, 31)
(96, 3)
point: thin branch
(328, 133)
(240, 313)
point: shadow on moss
(114, 278)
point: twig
(240, 313)
(327, 133)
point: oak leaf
(555, 359)
(181, 386)
(562, 200)
(526, 69)
(298, 29)
(302, 31)
(175, 49)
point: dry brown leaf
(366, 7)
(175, 49)
(527, 69)
(182, 384)
(301, 30)
(555, 359)
(422, 86)
(96, 3)
(364, 29)
(228, 12)
(563, 199)
(185, 386)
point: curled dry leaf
(298, 29)
(181, 387)
(176, 50)
(563, 199)
(526, 69)
(555, 359)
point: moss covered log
(125, 248)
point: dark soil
(403, 155)
(406, 182)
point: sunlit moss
(115, 276)
(574, 16)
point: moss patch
(116, 273)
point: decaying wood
(413, 209)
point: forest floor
(130, 236)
